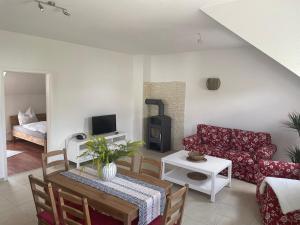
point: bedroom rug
(10, 153)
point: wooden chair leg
(45, 146)
(45, 149)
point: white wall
(141, 74)
(270, 25)
(86, 81)
(23, 90)
(256, 92)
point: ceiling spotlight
(41, 7)
(66, 12)
(52, 4)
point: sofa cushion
(240, 157)
(215, 136)
(249, 141)
(206, 149)
(280, 169)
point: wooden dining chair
(56, 165)
(44, 202)
(126, 163)
(150, 167)
(174, 207)
(75, 210)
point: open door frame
(49, 91)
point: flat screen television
(103, 124)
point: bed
(22, 132)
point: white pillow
(30, 112)
(27, 117)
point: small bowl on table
(196, 156)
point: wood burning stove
(158, 131)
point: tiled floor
(16, 203)
(233, 206)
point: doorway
(25, 103)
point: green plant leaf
(294, 154)
(103, 153)
(293, 122)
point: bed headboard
(14, 121)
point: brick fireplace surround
(173, 96)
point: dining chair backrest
(126, 163)
(150, 167)
(174, 207)
(44, 200)
(76, 211)
(56, 165)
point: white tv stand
(76, 147)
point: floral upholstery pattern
(191, 140)
(240, 157)
(279, 169)
(243, 148)
(215, 136)
(249, 141)
(271, 211)
(269, 205)
(264, 152)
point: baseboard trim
(3, 180)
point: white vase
(109, 171)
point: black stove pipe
(159, 103)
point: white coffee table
(212, 167)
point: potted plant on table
(294, 123)
(105, 155)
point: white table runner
(149, 198)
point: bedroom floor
(28, 157)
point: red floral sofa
(243, 148)
(269, 205)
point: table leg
(163, 170)
(213, 185)
(127, 221)
(229, 175)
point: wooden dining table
(104, 202)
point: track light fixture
(66, 12)
(52, 4)
(41, 7)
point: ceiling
(274, 29)
(24, 84)
(130, 26)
